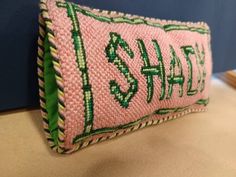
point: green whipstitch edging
(135, 21)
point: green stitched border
(82, 65)
(45, 25)
(135, 21)
(161, 111)
(81, 59)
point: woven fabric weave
(112, 73)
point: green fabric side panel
(51, 93)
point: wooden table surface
(197, 145)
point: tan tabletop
(197, 145)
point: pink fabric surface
(95, 35)
(74, 112)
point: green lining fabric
(51, 93)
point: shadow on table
(36, 118)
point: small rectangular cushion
(103, 74)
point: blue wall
(18, 36)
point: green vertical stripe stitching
(82, 65)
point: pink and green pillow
(103, 74)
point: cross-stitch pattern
(103, 74)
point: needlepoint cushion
(103, 74)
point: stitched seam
(45, 26)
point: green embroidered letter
(187, 51)
(173, 78)
(111, 52)
(201, 61)
(150, 71)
